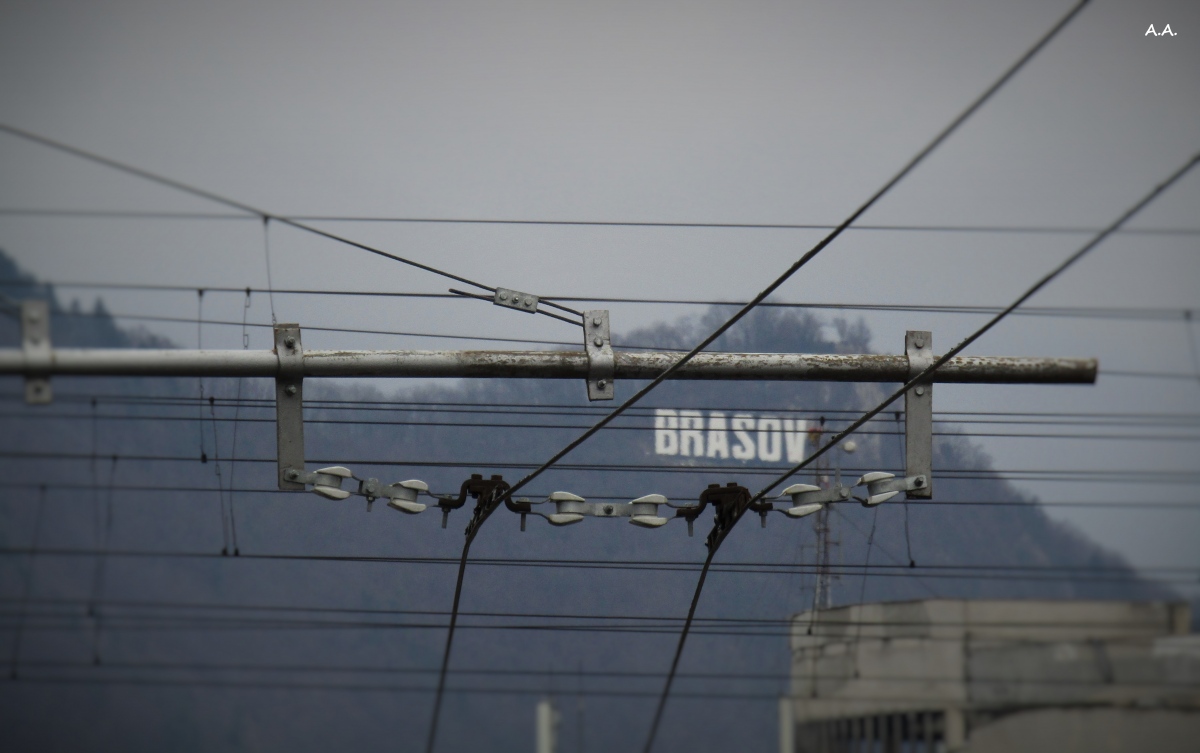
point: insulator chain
(562, 508)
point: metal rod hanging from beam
(545, 364)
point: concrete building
(990, 676)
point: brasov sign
(741, 436)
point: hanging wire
(236, 416)
(101, 565)
(27, 587)
(901, 440)
(266, 228)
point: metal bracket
(918, 415)
(289, 405)
(515, 299)
(35, 342)
(601, 362)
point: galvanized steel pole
(551, 364)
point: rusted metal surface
(547, 364)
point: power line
(1139, 505)
(500, 406)
(1100, 312)
(1077, 575)
(1103, 475)
(537, 674)
(925, 373)
(496, 426)
(91, 679)
(170, 215)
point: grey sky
(694, 112)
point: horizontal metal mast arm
(541, 364)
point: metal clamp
(289, 404)
(515, 299)
(602, 363)
(35, 342)
(883, 486)
(918, 414)
(727, 499)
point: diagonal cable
(234, 204)
(812, 252)
(924, 375)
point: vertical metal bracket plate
(289, 405)
(918, 414)
(601, 362)
(515, 299)
(35, 341)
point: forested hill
(145, 486)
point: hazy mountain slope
(183, 514)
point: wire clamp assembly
(602, 363)
(726, 499)
(515, 299)
(487, 494)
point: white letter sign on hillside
(697, 434)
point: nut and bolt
(290, 341)
(608, 509)
(602, 383)
(291, 474)
(290, 389)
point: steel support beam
(542, 364)
(918, 414)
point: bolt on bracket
(918, 415)
(515, 299)
(35, 342)
(602, 363)
(289, 405)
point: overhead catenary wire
(841, 435)
(324, 685)
(925, 228)
(1101, 312)
(500, 407)
(985, 572)
(67, 607)
(500, 426)
(1104, 475)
